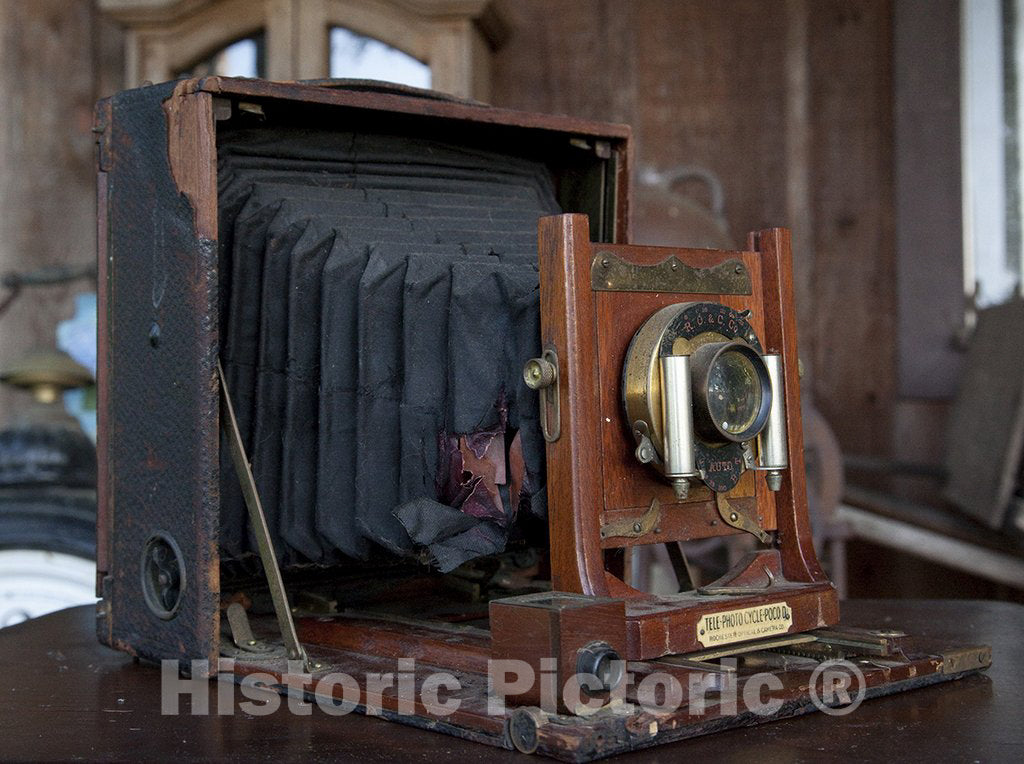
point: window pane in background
(364, 58)
(242, 58)
(991, 149)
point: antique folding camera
(381, 378)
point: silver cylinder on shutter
(774, 444)
(677, 417)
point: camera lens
(732, 392)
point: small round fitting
(600, 660)
(163, 575)
(523, 726)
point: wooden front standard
(593, 476)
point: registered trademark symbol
(838, 678)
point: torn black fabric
(451, 536)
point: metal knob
(539, 373)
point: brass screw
(604, 262)
(733, 516)
(637, 527)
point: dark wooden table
(65, 696)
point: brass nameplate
(609, 273)
(746, 623)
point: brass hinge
(634, 528)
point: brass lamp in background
(44, 444)
(47, 493)
(46, 374)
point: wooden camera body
(253, 507)
(597, 304)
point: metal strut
(258, 520)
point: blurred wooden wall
(789, 103)
(56, 58)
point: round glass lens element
(734, 392)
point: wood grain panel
(850, 348)
(702, 84)
(790, 105)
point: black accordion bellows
(379, 295)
